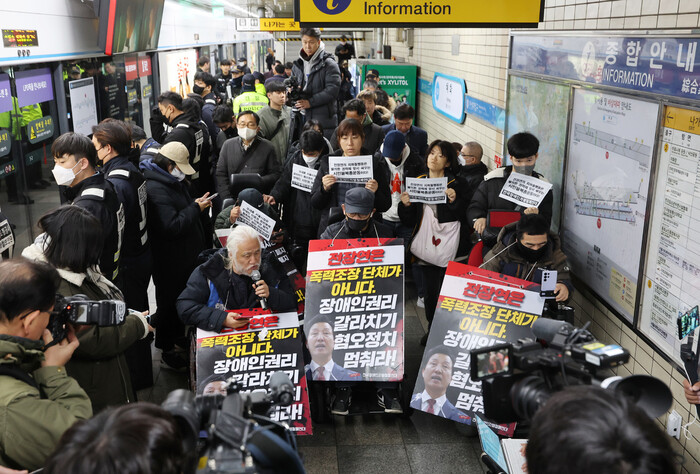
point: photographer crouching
(39, 401)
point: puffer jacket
(30, 426)
(321, 87)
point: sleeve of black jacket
(283, 186)
(170, 222)
(382, 198)
(332, 86)
(222, 171)
(320, 198)
(192, 304)
(282, 296)
(478, 207)
(272, 169)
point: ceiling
(242, 8)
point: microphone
(255, 275)
(281, 388)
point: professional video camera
(520, 377)
(233, 433)
(79, 309)
(294, 91)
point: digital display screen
(688, 322)
(81, 311)
(489, 362)
(19, 38)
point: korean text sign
(251, 354)
(476, 309)
(526, 191)
(351, 169)
(354, 309)
(427, 190)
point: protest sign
(258, 220)
(476, 308)
(351, 169)
(427, 190)
(354, 310)
(526, 191)
(303, 177)
(251, 354)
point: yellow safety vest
(249, 101)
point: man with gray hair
(225, 282)
(472, 169)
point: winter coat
(325, 200)
(416, 137)
(174, 227)
(505, 258)
(30, 426)
(473, 176)
(98, 364)
(322, 87)
(259, 158)
(381, 115)
(299, 216)
(486, 198)
(270, 120)
(411, 166)
(412, 216)
(374, 137)
(211, 284)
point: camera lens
(528, 395)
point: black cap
(248, 83)
(359, 201)
(372, 72)
(252, 196)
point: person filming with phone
(234, 278)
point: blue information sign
(668, 66)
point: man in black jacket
(319, 77)
(522, 148)
(416, 137)
(472, 170)
(204, 84)
(76, 159)
(247, 153)
(181, 127)
(359, 222)
(374, 135)
(224, 283)
(223, 78)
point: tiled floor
(419, 443)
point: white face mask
(63, 176)
(310, 160)
(461, 160)
(177, 174)
(246, 133)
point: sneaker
(341, 404)
(175, 361)
(420, 302)
(388, 399)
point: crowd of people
(142, 208)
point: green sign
(40, 129)
(5, 142)
(7, 169)
(398, 81)
(35, 156)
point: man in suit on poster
(320, 342)
(437, 374)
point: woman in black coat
(441, 161)
(177, 237)
(327, 193)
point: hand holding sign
(428, 190)
(256, 219)
(351, 169)
(526, 191)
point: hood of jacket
(25, 353)
(304, 57)
(385, 113)
(507, 236)
(156, 171)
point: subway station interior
(610, 88)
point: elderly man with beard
(223, 283)
(437, 375)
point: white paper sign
(303, 177)
(351, 169)
(7, 239)
(526, 191)
(83, 105)
(256, 219)
(427, 190)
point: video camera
(79, 309)
(518, 378)
(294, 91)
(238, 435)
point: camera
(294, 91)
(233, 433)
(78, 309)
(518, 378)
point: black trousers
(432, 277)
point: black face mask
(231, 132)
(532, 255)
(356, 225)
(237, 81)
(197, 89)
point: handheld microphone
(255, 275)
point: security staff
(184, 128)
(204, 84)
(223, 78)
(249, 99)
(76, 159)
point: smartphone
(549, 283)
(211, 197)
(241, 316)
(688, 322)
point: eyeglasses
(467, 156)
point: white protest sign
(256, 219)
(351, 169)
(526, 191)
(7, 238)
(303, 177)
(427, 190)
